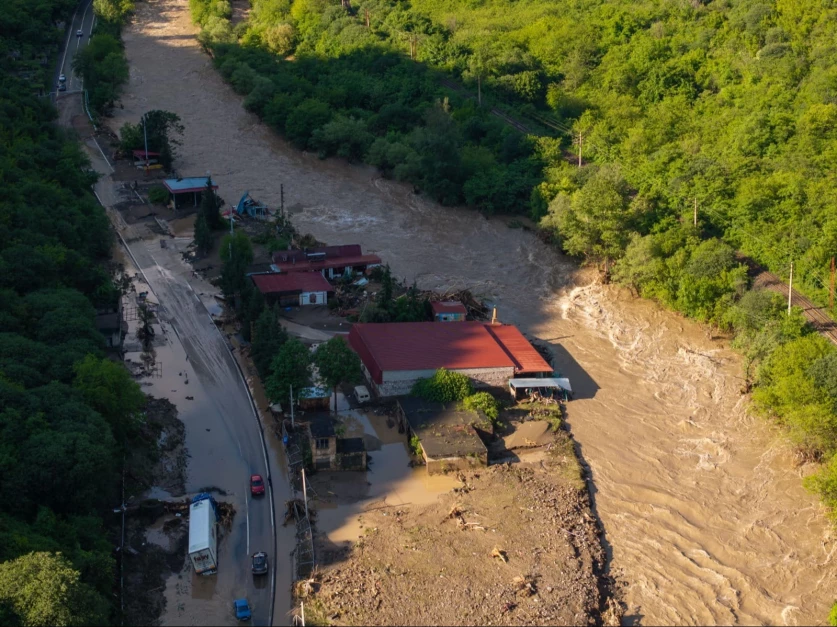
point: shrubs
(158, 195)
(484, 402)
(443, 387)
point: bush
(484, 402)
(158, 195)
(444, 387)
(832, 616)
(415, 446)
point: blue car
(242, 609)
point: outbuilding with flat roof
(395, 355)
(445, 432)
(187, 192)
(448, 311)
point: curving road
(223, 430)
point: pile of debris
(226, 511)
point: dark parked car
(260, 563)
(256, 485)
(62, 86)
(79, 33)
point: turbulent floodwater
(703, 511)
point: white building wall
(397, 382)
(320, 298)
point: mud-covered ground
(515, 544)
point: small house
(323, 441)
(112, 325)
(448, 311)
(295, 289)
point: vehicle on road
(256, 485)
(260, 566)
(203, 541)
(62, 86)
(242, 609)
(62, 78)
(79, 33)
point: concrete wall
(400, 382)
(320, 298)
(324, 457)
(447, 464)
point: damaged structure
(446, 434)
(187, 192)
(330, 452)
(396, 355)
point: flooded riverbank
(703, 511)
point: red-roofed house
(448, 311)
(298, 288)
(395, 355)
(330, 261)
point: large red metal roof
(430, 345)
(288, 283)
(306, 265)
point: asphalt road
(83, 19)
(223, 432)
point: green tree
(593, 222)
(210, 208)
(203, 235)
(268, 338)
(236, 257)
(291, 366)
(43, 589)
(444, 387)
(109, 389)
(337, 363)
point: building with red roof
(448, 311)
(330, 261)
(298, 288)
(395, 355)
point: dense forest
(666, 141)
(66, 411)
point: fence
(304, 558)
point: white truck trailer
(203, 541)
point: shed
(298, 288)
(314, 399)
(545, 387)
(448, 311)
(188, 191)
(445, 433)
(351, 454)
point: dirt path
(705, 516)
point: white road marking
(69, 35)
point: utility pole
(831, 290)
(790, 288)
(145, 134)
(305, 492)
(580, 143)
(292, 407)
(367, 17)
(695, 211)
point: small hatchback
(62, 78)
(260, 563)
(242, 609)
(79, 33)
(256, 485)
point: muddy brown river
(704, 513)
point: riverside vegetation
(639, 114)
(67, 414)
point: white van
(362, 394)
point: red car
(256, 485)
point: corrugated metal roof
(306, 265)
(518, 348)
(448, 307)
(546, 382)
(289, 283)
(183, 186)
(428, 346)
